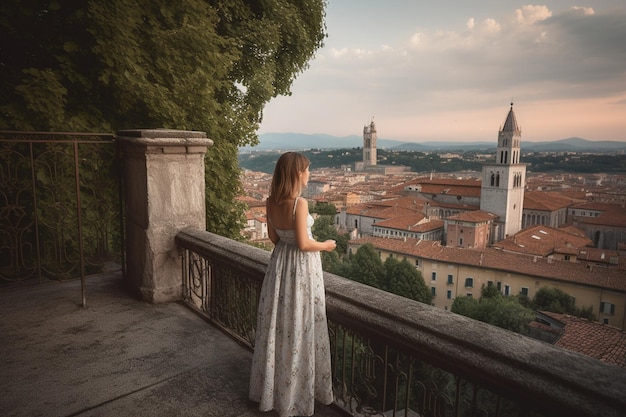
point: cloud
(573, 53)
(529, 14)
(584, 10)
(532, 55)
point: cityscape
(463, 268)
(501, 227)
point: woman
(291, 364)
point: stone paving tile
(116, 357)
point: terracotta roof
(605, 256)
(388, 209)
(402, 222)
(600, 341)
(547, 201)
(429, 226)
(454, 206)
(612, 214)
(477, 216)
(453, 186)
(546, 268)
(543, 241)
(470, 190)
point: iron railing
(396, 357)
(60, 206)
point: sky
(448, 70)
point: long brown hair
(286, 179)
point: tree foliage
(554, 300)
(324, 208)
(557, 301)
(404, 279)
(101, 66)
(324, 228)
(365, 266)
(516, 312)
(496, 309)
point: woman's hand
(329, 245)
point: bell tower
(502, 188)
(369, 144)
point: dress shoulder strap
(295, 203)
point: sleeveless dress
(291, 366)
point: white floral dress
(291, 366)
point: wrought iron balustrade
(60, 206)
(397, 357)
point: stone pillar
(164, 192)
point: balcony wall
(397, 356)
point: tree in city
(404, 279)
(554, 300)
(557, 301)
(324, 228)
(104, 66)
(366, 266)
(496, 309)
(324, 209)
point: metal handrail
(36, 166)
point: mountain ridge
(301, 141)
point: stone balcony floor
(116, 357)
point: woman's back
(281, 216)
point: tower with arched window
(503, 181)
(369, 144)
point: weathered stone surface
(164, 189)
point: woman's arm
(303, 240)
(271, 232)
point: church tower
(369, 144)
(502, 188)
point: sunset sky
(447, 70)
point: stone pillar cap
(164, 137)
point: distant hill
(301, 141)
(574, 145)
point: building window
(607, 308)
(507, 290)
(461, 240)
(449, 295)
(470, 295)
(450, 279)
(566, 257)
(433, 291)
(490, 283)
(524, 291)
(417, 262)
(433, 276)
(499, 286)
(469, 282)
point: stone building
(451, 272)
(502, 188)
(369, 144)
